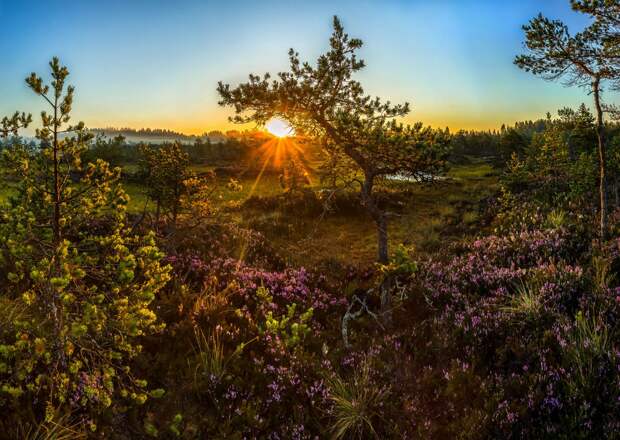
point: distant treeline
(500, 145)
(157, 134)
(118, 151)
(119, 146)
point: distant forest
(157, 134)
(117, 145)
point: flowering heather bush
(507, 336)
(518, 342)
(224, 240)
(252, 348)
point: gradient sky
(155, 63)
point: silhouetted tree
(324, 102)
(511, 143)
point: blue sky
(155, 63)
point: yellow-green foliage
(292, 332)
(79, 281)
(401, 263)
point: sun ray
(269, 152)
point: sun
(279, 128)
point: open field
(430, 216)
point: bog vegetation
(361, 278)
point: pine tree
(171, 184)
(79, 280)
(326, 103)
(587, 59)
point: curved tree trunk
(380, 219)
(600, 134)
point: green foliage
(554, 53)
(171, 184)
(81, 281)
(12, 125)
(588, 59)
(291, 329)
(165, 170)
(150, 429)
(113, 151)
(558, 169)
(401, 263)
(174, 425)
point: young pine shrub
(178, 193)
(82, 279)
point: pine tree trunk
(600, 134)
(56, 307)
(380, 219)
(56, 219)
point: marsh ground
(427, 216)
